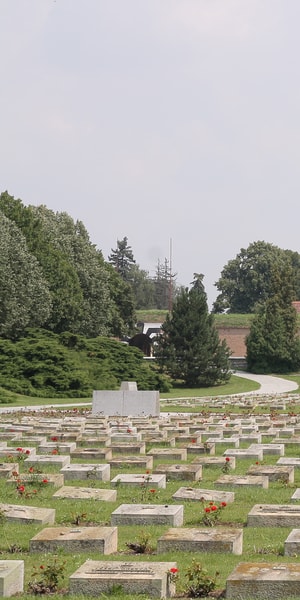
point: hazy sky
(156, 120)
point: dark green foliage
(47, 365)
(246, 280)
(189, 348)
(122, 259)
(273, 344)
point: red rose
(214, 508)
(227, 459)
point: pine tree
(189, 348)
(273, 344)
(122, 259)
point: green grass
(221, 320)
(259, 544)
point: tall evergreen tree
(273, 344)
(189, 348)
(122, 259)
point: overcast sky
(156, 120)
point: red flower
(214, 507)
(207, 509)
(15, 473)
(173, 570)
(20, 450)
(211, 503)
(223, 504)
(227, 459)
(147, 472)
(27, 452)
(21, 489)
(152, 491)
(54, 439)
(193, 441)
(42, 567)
(129, 430)
(31, 470)
(54, 451)
(257, 462)
(45, 481)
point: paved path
(269, 384)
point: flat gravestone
(196, 494)
(7, 468)
(244, 454)
(274, 472)
(269, 449)
(39, 479)
(95, 578)
(85, 493)
(296, 495)
(86, 471)
(215, 461)
(56, 460)
(11, 577)
(134, 461)
(292, 462)
(274, 515)
(131, 447)
(148, 514)
(61, 447)
(192, 472)
(157, 480)
(292, 543)
(263, 581)
(168, 453)
(79, 539)
(205, 448)
(125, 402)
(243, 481)
(215, 539)
(92, 453)
(28, 514)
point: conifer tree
(189, 348)
(273, 344)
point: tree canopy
(189, 348)
(273, 344)
(246, 280)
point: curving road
(269, 384)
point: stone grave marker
(56, 460)
(134, 461)
(263, 581)
(92, 453)
(148, 514)
(274, 515)
(28, 514)
(292, 543)
(7, 468)
(168, 453)
(85, 493)
(203, 495)
(243, 481)
(95, 578)
(214, 539)
(77, 539)
(191, 472)
(86, 471)
(273, 472)
(157, 480)
(11, 577)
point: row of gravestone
(279, 569)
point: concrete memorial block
(92, 453)
(242, 480)
(263, 581)
(125, 438)
(274, 472)
(205, 448)
(187, 439)
(86, 471)
(292, 462)
(154, 480)
(11, 577)
(130, 447)
(61, 447)
(95, 578)
(292, 543)
(145, 462)
(233, 441)
(215, 539)
(255, 438)
(77, 539)
(202, 495)
(215, 461)
(14, 453)
(168, 453)
(244, 454)
(46, 460)
(7, 468)
(192, 472)
(296, 495)
(28, 514)
(273, 449)
(148, 514)
(36, 479)
(85, 493)
(274, 515)
(126, 402)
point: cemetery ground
(273, 422)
